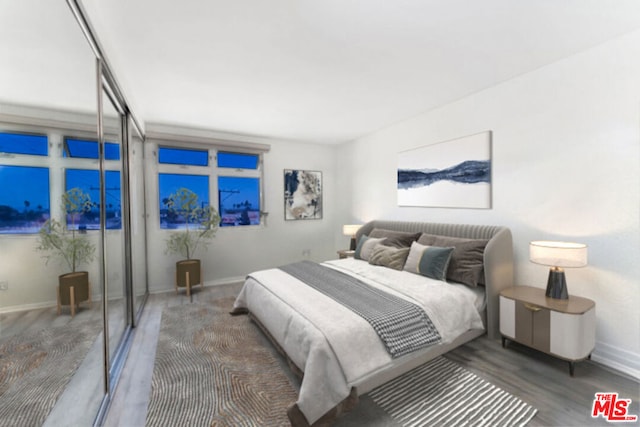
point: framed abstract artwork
(451, 174)
(302, 194)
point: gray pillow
(429, 261)
(426, 239)
(396, 239)
(388, 256)
(365, 247)
(467, 260)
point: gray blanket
(402, 326)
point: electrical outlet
(306, 253)
(4, 285)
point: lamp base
(352, 246)
(557, 284)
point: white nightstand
(562, 328)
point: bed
(339, 353)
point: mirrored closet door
(138, 219)
(71, 159)
(114, 228)
(50, 348)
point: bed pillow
(426, 239)
(388, 256)
(365, 246)
(467, 260)
(429, 261)
(396, 239)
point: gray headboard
(498, 256)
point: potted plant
(198, 227)
(72, 247)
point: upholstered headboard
(498, 256)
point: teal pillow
(429, 261)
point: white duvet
(336, 348)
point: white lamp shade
(558, 254)
(350, 230)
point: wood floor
(536, 378)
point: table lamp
(558, 255)
(350, 230)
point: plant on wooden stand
(198, 227)
(71, 247)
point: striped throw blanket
(402, 326)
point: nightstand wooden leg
(504, 342)
(572, 366)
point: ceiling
(329, 71)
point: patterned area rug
(441, 393)
(36, 367)
(213, 369)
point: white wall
(566, 165)
(237, 251)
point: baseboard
(226, 281)
(623, 361)
(24, 307)
(217, 282)
(46, 304)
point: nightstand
(562, 328)
(345, 253)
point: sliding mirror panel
(51, 325)
(114, 245)
(138, 219)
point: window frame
(55, 162)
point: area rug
(442, 393)
(36, 367)
(213, 369)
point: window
(26, 197)
(238, 189)
(168, 184)
(17, 143)
(238, 160)
(239, 200)
(25, 207)
(180, 156)
(88, 181)
(78, 148)
(235, 176)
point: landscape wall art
(452, 174)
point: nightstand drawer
(573, 335)
(533, 325)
